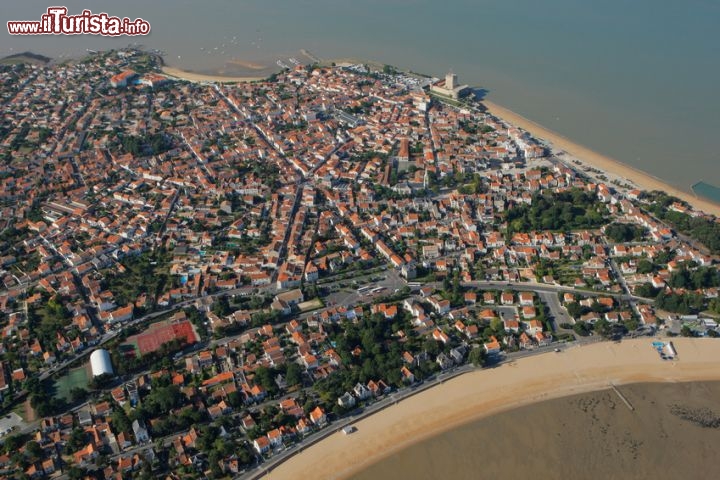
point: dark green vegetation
(152, 144)
(25, 57)
(46, 321)
(369, 352)
(146, 273)
(680, 302)
(624, 232)
(571, 210)
(684, 298)
(703, 277)
(704, 230)
(43, 403)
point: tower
(450, 81)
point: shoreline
(486, 392)
(201, 77)
(643, 180)
(586, 156)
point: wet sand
(487, 392)
(593, 435)
(602, 162)
(248, 65)
(200, 77)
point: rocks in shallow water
(703, 417)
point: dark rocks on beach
(703, 417)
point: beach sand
(200, 77)
(591, 435)
(643, 180)
(490, 391)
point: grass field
(75, 378)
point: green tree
(120, 421)
(645, 266)
(431, 346)
(78, 394)
(477, 356)
(13, 443)
(624, 232)
(76, 473)
(646, 290)
(33, 451)
(497, 325)
(575, 310)
(581, 328)
(603, 327)
(293, 375)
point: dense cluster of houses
(275, 186)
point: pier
(310, 55)
(622, 397)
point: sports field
(164, 332)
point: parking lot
(10, 422)
(346, 292)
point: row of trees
(683, 303)
(702, 277)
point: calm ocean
(633, 80)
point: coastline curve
(486, 392)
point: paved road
(540, 287)
(557, 312)
(267, 466)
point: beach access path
(489, 391)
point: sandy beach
(199, 77)
(589, 157)
(490, 391)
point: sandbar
(486, 392)
(249, 65)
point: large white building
(100, 363)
